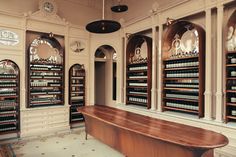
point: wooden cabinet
(139, 71)
(45, 70)
(184, 68)
(230, 73)
(9, 97)
(76, 91)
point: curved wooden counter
(139, 136)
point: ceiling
(81, 12)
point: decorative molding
(42, 15)
(8, 38)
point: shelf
(182, 89)
(181, 99)
(139, 79)
(143, 87)
(231, 65)
(180, 109)
(180, 78)
(44, 94)
(9, 131)
(182, 68)
(8, 78)
(230, 52)
(7, 122)
(44, 103)
(231, 104)
(136, 103)
(45, 78)
(136, 71)
(184, 58)
(48, 71)
(231, 91)
(51, 64)
(45, 86)
(137, 64)
(231, 78)
(6, 96)
(137, 95)
(9, 87)
(231, 117)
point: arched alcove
(139, 71)
(9, 97)
(230, 61)
(105, 75)
(184, 68)
(76, 92)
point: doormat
(6, 151)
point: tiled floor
(64, 145)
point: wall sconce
(127, 35)
(169, 21)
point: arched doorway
(105, 75)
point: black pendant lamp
(103, 26)
(119, 8)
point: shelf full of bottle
(230, 98)
(181, 89)
(77, 89)
(75, 116)
(137, 84)
(46, 93)
(9, 113)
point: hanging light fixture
(103, 26)
(119, 8)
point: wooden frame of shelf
(141, 68)
(184, 75)
(77, 77)
(10, 104)
(45, 68)
(230, 74)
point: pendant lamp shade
(103, 26)
(119, 8)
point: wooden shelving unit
(76, 92)
(139, 71)
(9, 97)
(184, 68)
(45, 70)
(230, 71)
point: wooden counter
(141, 136)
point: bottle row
(44, 84)
(137, 84)
(7, 108)
(45, 77)
(181, 64)
(137, 77)
(8, 103)
(135, 99)
(7, 76)
(7, 112)
(45, 100)
(182, 73)
(8, 84)
(194, 97)
(138, 68)
(7, 128)
(77, 98)
(46, 68)
(140, 93)
(182, 105)
(7, 93)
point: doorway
(105, 75)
